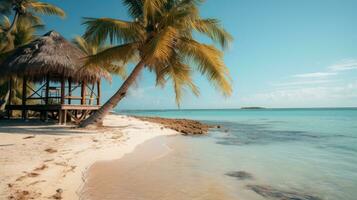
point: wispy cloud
(342, 95)
(304, 82)
(315, 75)
(327, 87)
(344, 65)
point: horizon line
(241, 108)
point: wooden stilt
(83, 93)
(69, 90)
(62, 91)
(47, 95)
(24, 98)
(9, 102)
(98, 93)
(64, 117)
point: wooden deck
(62, 113)
(52, 107)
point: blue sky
(286, 53)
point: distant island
(251, 108)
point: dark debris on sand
(276, 194)
(240, 175)
(184, 126)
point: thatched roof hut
(50, 55)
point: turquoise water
(307, 151)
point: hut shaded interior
(54, 82)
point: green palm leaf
(213, 29)
(209, 61)
(46, 9)
(98, 30)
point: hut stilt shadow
(54, 82)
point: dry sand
(42, 161)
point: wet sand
(156, 170)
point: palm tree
(23, 34)
(161, 38)
(28, 10)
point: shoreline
(42, 161)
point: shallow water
(294, 151)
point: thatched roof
(50, 55)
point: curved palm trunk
(14, 21)
(6, 98)
(97, 118)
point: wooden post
(10, 91)
(47, 89)
(63, 91)
(83, 93)
(91, 94)
(64, 117)
(24, 98)
(9, 112)
(69, 90)
(98, 93)
(60, 116)
(47, 95)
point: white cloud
(344, 65)
(304, 82)
(315, 75)
(140, 92)
(311, 89)
(342, 95)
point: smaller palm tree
(161, 37)
(23, 34)
(24, 11)
(20, 31)
(28, 10)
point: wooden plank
(72, 97)
(79, 107)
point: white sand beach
(41, 161)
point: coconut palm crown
(161, 38)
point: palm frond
(213, 29)
(5, 24)
(99, 29)
(151, 8)
(209, 61)
(121, 54)
(180, 17)
(83, 45)
(181, 76)
(160, 47)
(31, 18)
(46, 9)
(116, 68)
(135, 7)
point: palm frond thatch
(50, 55)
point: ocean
(300, 154)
